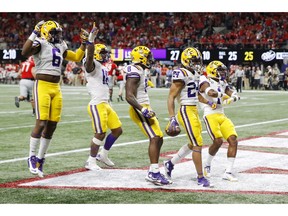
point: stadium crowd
(157, 30)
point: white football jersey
(135, 71)
(217, 86)
(189, 94)
(97, 83)
(49, 59)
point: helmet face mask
(191, 59)
(52, 32)
(142, 55)
(101, 53)
(216, 70)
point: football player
(26, 83)
(48, 49)
(185, 83)
(140, 110)
(214, 87)
(102, 114)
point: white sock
(104, 152)
(34, 143)
(44, 144)
(154, 168)
(91, 158)
(183, 152)
(230, 164)
(209, 160)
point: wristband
(88, 43)
(32, 36)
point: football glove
(235, 96)
(92, 34)
(172, 128)
(212, 105)
(228, 101)
(84, 36)
(147, 113)
(37, 27)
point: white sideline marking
(283, 134)
(267, 142)
(134, 142)
(184, 176)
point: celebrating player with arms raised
(102, 114)
(48, 50)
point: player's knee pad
(97, 141)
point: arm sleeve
(75, 56)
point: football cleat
(104, 159)
(32, 162)
(91, 165)
(168, 168)
(207, 171)
(157, 179)
(204, 182)
(17, 104)
(39, 166)
(229, 176)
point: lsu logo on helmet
(101, 53)
(142, 55)
(216, 70)
(192, 58)
(51, 31)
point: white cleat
(40, 174)
(104, 159)
(91, 165)
(229, 177)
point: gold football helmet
(101, 53)
(192, 58)
(142, 55)
(216, 70)
(51, 31)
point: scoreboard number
(249, 56)
(206, 55)
(9, 54)
(174, 55)
(232, 56)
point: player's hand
(235, 96)
(147, 113)
(84, 36)
(212, 105)
(173, 123)
(38, 26)
(228, 101)
(93, 33)
(172, 128)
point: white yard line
(136, 142)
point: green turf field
(258, 113)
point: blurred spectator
(169, 77)
(257, 77)
(239, 73)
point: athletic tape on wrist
(32, 36)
